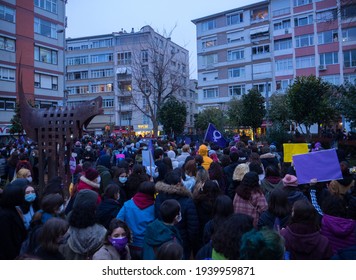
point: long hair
(53, 229)
(278, 203)
(249, 185)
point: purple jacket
(341, 232)
(304, 243)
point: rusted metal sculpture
(54, 129)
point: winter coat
(82, 243)
(138, 213)
(269, 159)
(181, 158)
(203, 151)
(341, 232)
(189, 225)
(86, 184)
(105, 176)
(267, 219)
(305, 243)
(268, 184)
(156, 234)
(107, 210)
(108, 252)
(12, 228)
(346, 254)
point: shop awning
(263, 29)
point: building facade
(32, 37)
(123, 67)
(268, 44)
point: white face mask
(29, 179)
(60, 210)
(98, 180)
(179, 217)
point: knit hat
(290, 180)
(91, 174)
(85, 198)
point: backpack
(31, 244)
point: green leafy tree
(347, 97)
(307, 100)
(253, 109)
(278, 111)
(172, 115)
(234, 107)
(16, 124)
(210, 115)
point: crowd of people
(198, 201)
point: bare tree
(159, 70)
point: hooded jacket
(305, 244)
(158, 233)
(189, 225)
(13, 231)
(341, 232)
(86, 184)
(203, 151)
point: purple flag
(214, 135)
(187, 140)
(322, 165)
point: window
(78, 90)
(236, 72)
(302, 2)
(260, 49)
(329, 58)
(326, 16)
(7, 44)
(144, 56)
(284, 64)
(350, 58)
(235, 54)
(108, 103)
(235, 36)
(104, 43)
(46, 81)
(210, 59)
(48, 5)
(236, 90)
(235, 18)
(259, 14)
(349, 34)
(78, 60)
(207, 43)
(124, 58)
(327, 37)
(304, 40)
(46, 55)
(7, 13)
(282, 85)
(305, 61)
(45, 28)
(208, 25)
(348, 11)
(305, 20)
(7, 104)
(211, 93)
(283, 44)
(332, 79)
(102, 73)
(350, 78)
(7, 74)
(102, 88)
(262, 87)
(80, 75)
(101, 58)
(284, 24)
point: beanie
(85, 198)
(290, 180)
(91, 174)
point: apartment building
(32, 34)
(268, 44)
(120, 68)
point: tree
(16, 124)
(172, 115)
(210, 115)
(253, 109)
(347, 95)
(278, 111)
(234, 107)
(159, 71)
(307, 100)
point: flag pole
(206, 132)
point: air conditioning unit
(322, 67)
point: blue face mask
(30, 197)
(123, 180)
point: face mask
(98, 180)
(179, 217)
(29, 179)
(118, 243)
(187, 176)
(123, 180)
(60, 210)
(30, 197)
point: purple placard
(322, 165)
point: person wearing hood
(84, 236)
(268, 158)
(13, 231)
(271, 181)
(163, 229)
(340, 230)
(138, 213)
(203, 151)
(172, 155)
(173, 188)
(90, 181)
(103, 166)
(303, 239)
